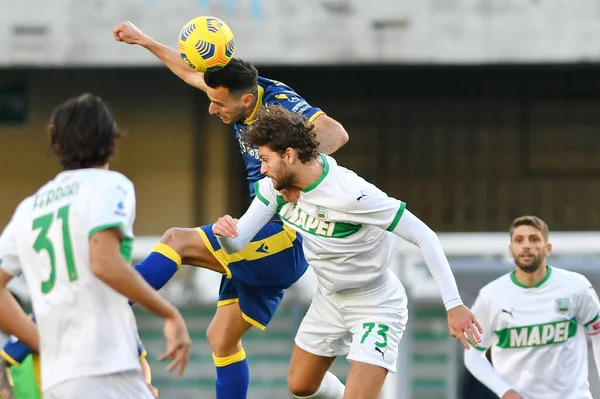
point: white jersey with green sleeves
(86, 328)
(345, 223)
(537, 334)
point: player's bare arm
(110, 267)
(13, 319)
(128, 33)
(331, 134)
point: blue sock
(158, 268)
(233, 376)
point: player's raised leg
(177, 246)
(309, 376)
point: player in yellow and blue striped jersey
(254, 279)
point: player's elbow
(101, 267)
(340, 133)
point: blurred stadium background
(472, 111)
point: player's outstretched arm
(128, 33)
(109, 266)
(462, 323)
(13, 319)
(485, 373)
(233, 235)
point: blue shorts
(257, 276)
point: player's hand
(226, 226)
(153, 390)
(129, 33)
(290, 195)
(461, 322)
(178, 344)
(512, 395)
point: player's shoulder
(496, 286)
(275, 91)
(111, 179)
(569, 277)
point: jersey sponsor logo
(120, 211)
(301, 107)
(510, 312)
(248, 149)
(537, 335)
(297, 217)
(562, 305)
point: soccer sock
(158, 268)
(331, 388)
(233, 376)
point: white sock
(331, 388)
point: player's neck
(309, 174)
(531, 279)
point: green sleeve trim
(595, 319)
(398, 216)
(259, 195)
(479, 348)
(105, 227)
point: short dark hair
(83, 132)
(238, 76)
(279, 129)
(532, 221)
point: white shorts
(128, 384)
(365, 325)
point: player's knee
(221, 344)
(300, 387)
(179, 239)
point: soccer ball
(206, 43)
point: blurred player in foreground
(72, 241)
(531, 319)
(360, 308)
(254, 280)
(23, 380)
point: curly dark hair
(237, 76)
(279, 129)
(83, 132)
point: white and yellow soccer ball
(206, 43)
